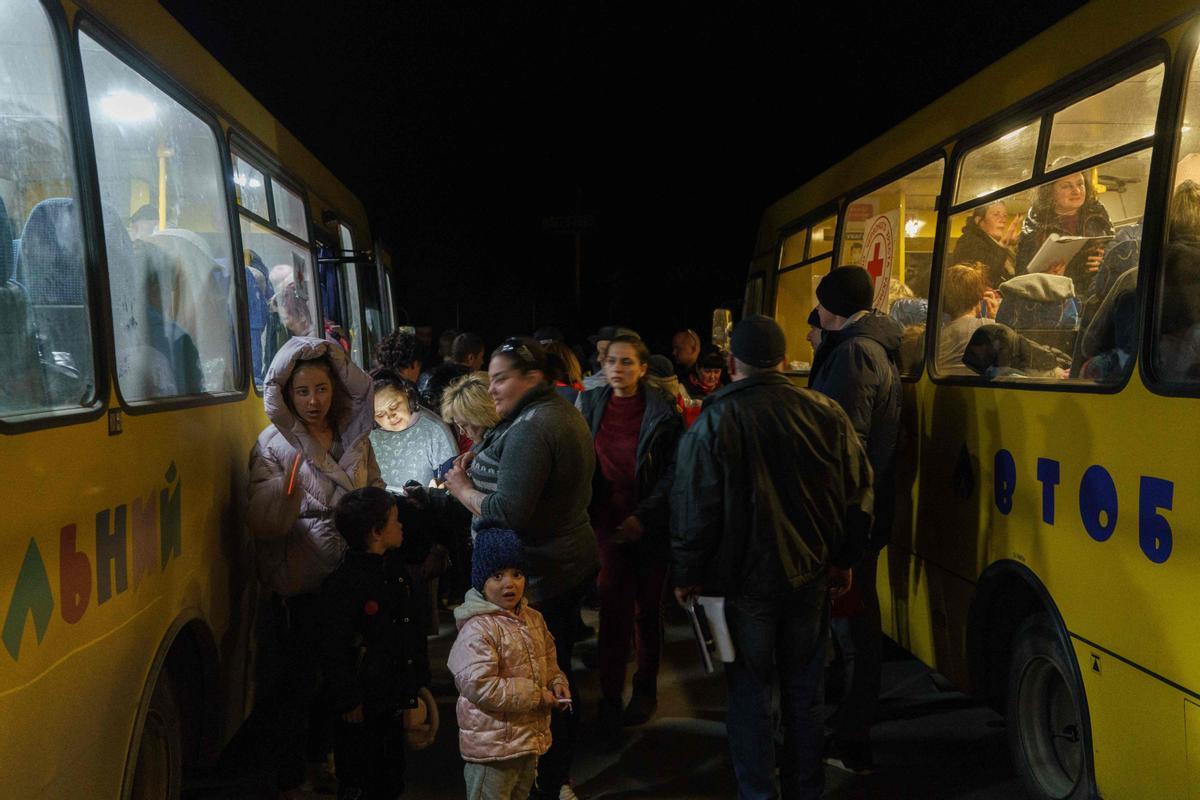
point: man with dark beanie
(771, 504)
(856, 367)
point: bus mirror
(722, 323)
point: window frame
(127, 54)
(261, 159)
(917, 162)
(1095, 78)
(802, 224)
(1162, 173)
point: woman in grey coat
(532, 473)
(316, 449)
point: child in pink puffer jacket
(506, 672)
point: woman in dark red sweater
(636, 428)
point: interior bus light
(913, 227)
(126, 106)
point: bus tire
(1046, 719)
(159, 770)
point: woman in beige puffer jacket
(502, 661)
(296, 541)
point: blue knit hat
(495, 549)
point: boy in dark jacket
(372, 648)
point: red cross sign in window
(879, 253)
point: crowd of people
(513, 495)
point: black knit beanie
(758, 341)
(846, 291)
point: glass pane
(792, 250)
(171, 271)
(372, 311)
(1001, 162)
(280, 290)
(822, 237)
(1176, 344)
(752, 303)
(1118, 115)
(890, 233)
(251, 187)
(1070, 315)
(289, 210)
(45, 324)
(348, 283)
(795, 298)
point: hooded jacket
(297, 543)
(662, 425)
(857, 368)
(535, 469)
(502, 660)
(771, 485)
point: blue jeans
(781, 639)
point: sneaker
(640, 710)
(567, 793)
(855, 758)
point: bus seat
(257, 293)
(1106, 346)
(23, 388)
(1038, 301)
(52, 263)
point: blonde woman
(467, 406)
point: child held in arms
(507, 676)
(373, 651)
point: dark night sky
(462, 126)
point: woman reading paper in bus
(1067, 207)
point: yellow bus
(1048, 544)
(160, 236)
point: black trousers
(369, 758)
(562, 619)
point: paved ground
(929, 743)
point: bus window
(1118, 115)
(372, 311)
(279, 284)
(1175, 347)
(289, 210)
(171, 268)
(45, 323)
(1005, 161)
(804, 258)
(890, 233)
(1056, 309)
(251, 187)
(752, 303)
(348, 289)
(1065, 313)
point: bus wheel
(1046, 733)
(159, 771)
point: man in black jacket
(856, 367)
(771, 503)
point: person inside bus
(967, 304)
(143, 223)
(315, 450)
(289, 312)
(1067, 207)
(989, 237)
(1179, 353)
